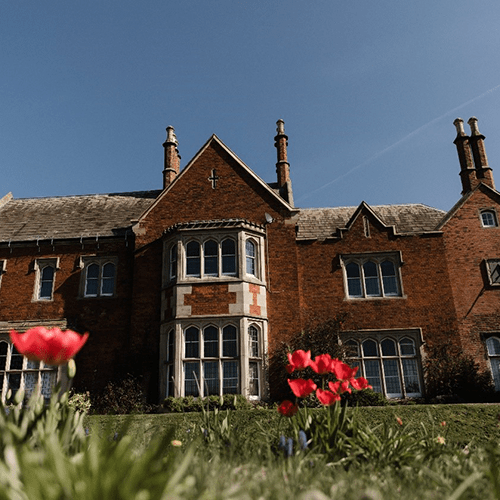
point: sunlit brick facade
(193, 287)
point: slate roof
(26, 219)
(65, 217)
(322, 223)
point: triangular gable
(248, 170)
(489, 191)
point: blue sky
(368, 91)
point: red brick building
(201, 281)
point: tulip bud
(71, 368)
(19, 397)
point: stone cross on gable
(214, 178)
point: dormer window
(489, 218)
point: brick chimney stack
(172, 158)
(474, 167)
(281, 143)
(483, 171)
(467, 172)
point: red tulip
(340, 386)
(302, 388)
(343, 371)
(287, 408)
(360, 383)
(53, 347)
(299, 360)
(322, 364)
(327, 398)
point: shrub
(121, 398)
(452, 376)
(79, 401)
(210, 403)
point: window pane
(191, 379)
(3, 355)
(250, 257)
(411, 380)
(253, 337)
(16, 360)
(389, 278)
(371, 279)
(388, 347)
(230, 377)
(193, 259)
(170, 345)
(253, 379)
(211, 342)
(192, 343)
(391, 375)
(370, 348)
(173, 261)
(493, 345)
(407, 347)
(372, 374)
(92, 281)
(353, 348)
(353, 280)
(229, 342)
(211, 380)
(30, 381)
(211, 250)
(228, 257)
(13, 382)
(46, 281)
(108, 279)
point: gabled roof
(274, 192)
(461, 202)
(323, 223)
(66, 217)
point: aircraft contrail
(392, 146)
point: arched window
(108, 279)
(372, 276)
(253, 340)
(229, 257)
(47, 274)
(92, 281)
(211, 255)
(99, 278)
(193, 267)
(211, 360)
(173, 261)
(390, 365)
(17, 372)
(493, 347)
(251, 258)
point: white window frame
(493, 351)
(254, 360)
(100, 262)
(377, 259)
(40, 265)
(408, 366)
(488, 218)
(199, 387)
(29, 375)
(230, 266)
